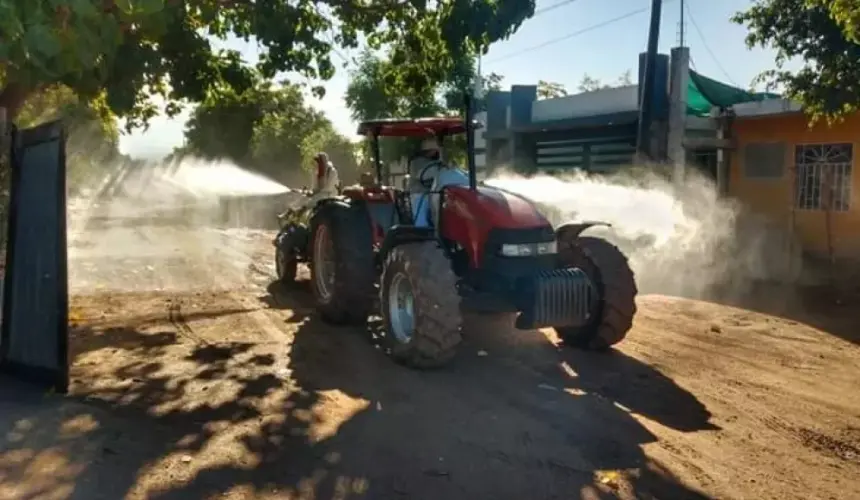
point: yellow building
(800, 177)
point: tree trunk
(12, 97)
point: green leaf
(43, 43)
(148, 7)
(824, 35)
(140, 44)
(83, 8)
(125, 6)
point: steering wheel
(428, 183)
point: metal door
(34, 333)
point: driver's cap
(430, 144)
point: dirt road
(235, 390)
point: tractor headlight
(529, 249)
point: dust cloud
(184, 225)
(193, 224)
(681, 240)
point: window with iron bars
(823, 176)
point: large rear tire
(420, 306)
(341, 263)
(615, 283)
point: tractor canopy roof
(415, 127)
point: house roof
(771, 107)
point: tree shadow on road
(325, 414)
(123, 419)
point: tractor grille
(561, 297)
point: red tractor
(485, 250)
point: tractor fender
(327, 201)
(399, 235)
(571, 230)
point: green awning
(704, 93)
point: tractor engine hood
(496, 207)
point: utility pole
(682, 27)
(646, 98)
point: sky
(568, 39)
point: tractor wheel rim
(324, 268)
(401, 308)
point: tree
(550, 90)
(492, 81)
(825, 34)
(590, 84)
(266, 128)
(370, 96)
(92, 148)
(131, 49)
(453, 93)
(222, 126)
(283, 146)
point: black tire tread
(615, 281)
(355, 275)
(438, 321)
(285, 276)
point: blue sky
(717, 50)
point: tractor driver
(428, 173)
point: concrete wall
(590, 130)
(520, 107)
(598, 102)
(775, 197)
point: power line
(537, 12)
(572, 34)
(707, 47)
(552, 7)
(336, 51)
(329, 38)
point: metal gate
(34, 332)
(600, 149)
(591, 155)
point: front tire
(341, 264)
(420, 306)
(608, 269)
(286, 260)
(285, 266)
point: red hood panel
(497, 208)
